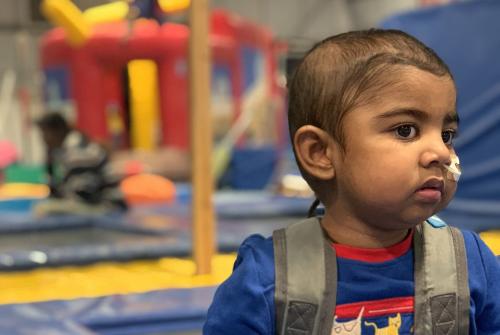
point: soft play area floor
(115, 274)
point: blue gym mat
(142, 233)
(156, 312)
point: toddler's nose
(437, 153)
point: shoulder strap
(441, 281)
(306, 279)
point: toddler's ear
(314, 149)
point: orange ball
(144, 189)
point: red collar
(374, 255)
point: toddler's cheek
(450, 189)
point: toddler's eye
(406, 131)
(448, 136)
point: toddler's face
(397, 144)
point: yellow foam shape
(102, 279)
(23, 190)
(144, 103)
(65, 14)
(492, 239)
(111, 12)
(172, 6)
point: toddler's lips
(431, 191)
(429, 194)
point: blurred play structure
(125, 81)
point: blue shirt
(371, 295)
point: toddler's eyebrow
(451, 117)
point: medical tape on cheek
(454, 168)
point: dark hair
(345, 70)
(53, 121)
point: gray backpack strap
(441, 281)
(306, 280)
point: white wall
(301, 22)
(369, 13)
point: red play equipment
(95, 71)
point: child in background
(372, 118)
(77, 170)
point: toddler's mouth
(433, 183)
(431, 191)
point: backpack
(305, 303)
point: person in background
(77, 171)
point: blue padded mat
(93, 243)
(143, 232)
(155, 312)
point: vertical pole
(201, 136)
